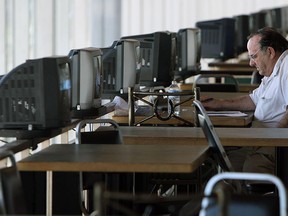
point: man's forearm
(284, 121)
(240, 103)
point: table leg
(49, 187)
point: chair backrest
(106, 132)
(213, 140)
(230, 85)
(12, 200)
(222, 202)
(99, 131)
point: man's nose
(252, 63)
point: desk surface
(227, 68)
(231, 63)
(116, 158)
(187, 114)
(194, 136)
(243, 88)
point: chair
(12, 200)
(100, 131)
(230, 84)
(103, 135)
(224, 202)
(219, 153)
(225, 189)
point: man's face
(258, 57)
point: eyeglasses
(254, 56)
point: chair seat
(101, 136)
(211, 87)
(260, 188)
(248, 205)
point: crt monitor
(217, 38)
(36, 94)
(257, 20)
(284, 20)
(273, 18)
(86, 72)
(241, 33)
(157, 67)
(188, 53)
(121, 67)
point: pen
(207, 100)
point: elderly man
(267, 50)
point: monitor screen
(188, 53)
(217, 38)
(241, 33)
(257, 21)
(121, 66)
(64, 86)
(284, 20)
(273, 18)
(86, 67)
(98, 68)
(156, 52)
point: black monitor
(188, 53)
(273, 18)
(257, 21)
(36, 94)
(241, 33)
(86, 72)
(217, 38)
(156, 51)
(284, 20)
(121, 67)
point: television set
(36, 94)
(273, 18)
(257, 20)
(157, 65)
(121, 68)
(188, 53)
(241, 33)
(284, 20)
(217, 38)
(86, 76)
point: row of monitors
(226, 38)
(49, 92)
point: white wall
(145, 16)
(39, 28)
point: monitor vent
(18, 98)
(109, 73)
(210, 36)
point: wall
(39, 28)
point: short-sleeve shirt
(271, 97)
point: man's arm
(243, 103)
(284, 121)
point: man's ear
(271, 52)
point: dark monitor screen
(273, 18)
(217, 38)
(241, 33)
(120, 67)
(86, 69)
(188, 53)
(257, 21)
(157, 67)
(284, 20)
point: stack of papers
(227, 113)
